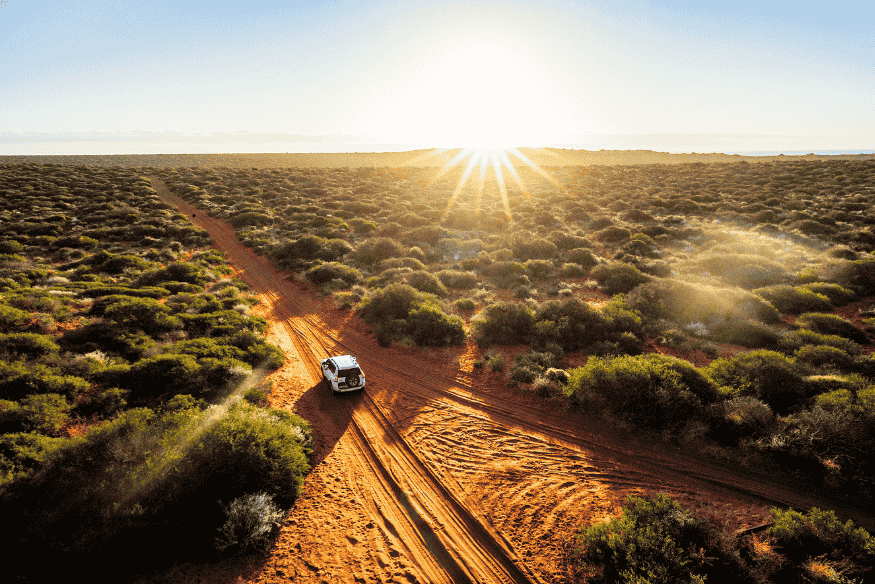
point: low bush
(831, 324)
(425, 282)
(816, 542)
(503, 323)
(375, 250)
(746, 333)
(767, 375)
(45, 413)
(801, 338)
(690, 303)
(824, 356)
(648, 391)
(18, 380)
(570, 270)
(583, 257)
(251, 520)
(12, 318)
(735, 419)
(323, 273)
(838, 295)
(654, 540)
(400, 311)
(28, 345)
(534, 249)
(464, 304)
(539, 269)
(743, 270)
(407, 262)
(530, 365)
(794, 299)
(128, 484)
(612, 234)
(22, 453)
(457, 279)
(618, 277)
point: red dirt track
(439, 473)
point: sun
(478, 164)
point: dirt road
(439, 473)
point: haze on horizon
(108, 76)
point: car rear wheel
(352, 381)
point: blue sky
(74, 74)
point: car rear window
(347, 372)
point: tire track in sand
(445, 542)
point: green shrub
(18, 380)
(175, 272)
(649, 391)
(655, 540)
(145, 314)
(824, 356)
(856, 275)
(583, 257)
(45, 413)
(838, 295)
(507, 273)
(530, 365)
(406, 262)
(400, 311)
(744, 270)
(21, 453)
(12, 318)
(737, 418)
(324, 273)
(428, 325)
(570, 270)
(166, 375)
(464, 304)
(794, 299)
(572, 324)
(801, 338)
(831, 324)
(820, 536)
(375, 250)
(618, 278)
(690, 303)
(104, 404)
(425, 282)
(457, 279)
(746, 333)
(612, 234)
(533, 249)
(766, 375)
(143, 480)
(27, 345)
(93, 291)
(503, 323)
(539, 269)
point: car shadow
(329, 413)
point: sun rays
(496, 161)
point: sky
(124, 76)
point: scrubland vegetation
(131, 411)
(657, 540)
(766, 270)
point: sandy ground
(440, 473)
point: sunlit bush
(766, 375)
(648, 391)
(618, 278)
(831, 324)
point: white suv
(343, 373)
